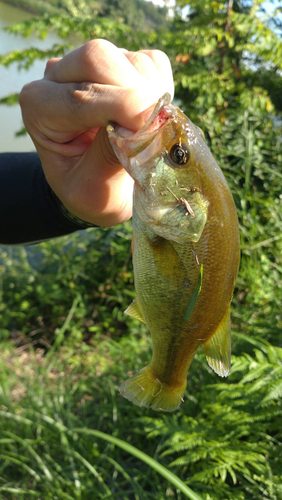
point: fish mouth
(158, 113)
(132, 143)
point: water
(12, 79)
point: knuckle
(26, 93)
(81, 94)
(141, 56)
(160, 56)
(95, 49)
(142, 60)
(80, 97)
(50, 66)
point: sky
(161, 3)
(269, 6)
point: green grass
(55, 403)
(52, 413)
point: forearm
(29, 210)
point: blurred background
(66, 344)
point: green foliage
(225, 438)
(137, 14)
(84, 27)
(40, 7)
(48, 279)
(215, 51)
(66, 343)
(249, 150)
(236, 436)
(25, 58)
(10, 100)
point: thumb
(97, 188)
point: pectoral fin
(134, 310)
(218, 347)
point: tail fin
(144, 389)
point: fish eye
(179, 154)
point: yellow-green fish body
(186, 252)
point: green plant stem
(172, 478)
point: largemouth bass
(186, 252)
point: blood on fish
(162, 116)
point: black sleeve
(29, 210)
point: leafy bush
(89, 274)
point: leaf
(194, 296)
(10, 100)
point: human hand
(66, 114)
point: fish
(186, 252)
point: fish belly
(165, 276)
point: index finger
(98, 61)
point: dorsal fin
(218, 347)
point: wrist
(69, 215)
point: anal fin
(134, 310)
(218, 347)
